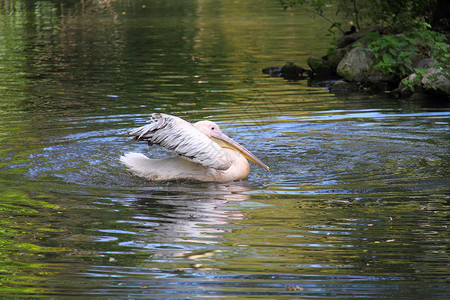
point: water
(355, 205)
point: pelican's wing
(176, 134)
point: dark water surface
(356, 203)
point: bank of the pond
(375, 59)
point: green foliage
(316, 7)
(400, 13)
(408, 37)
(394, 54)
(414, 80)
(417, 79)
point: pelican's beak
(225, 142)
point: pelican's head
(212, 130)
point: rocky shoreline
(348, 69)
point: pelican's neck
(240, 167)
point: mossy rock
(356, 64)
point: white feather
(176, 134)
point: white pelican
(205, 153)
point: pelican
(205, 153)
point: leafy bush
(394, 53)
(409, 39)
(376, 12)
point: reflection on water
(355, 205)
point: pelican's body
(206, 154)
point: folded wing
(182, 137)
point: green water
(356, 203)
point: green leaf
(387, 58)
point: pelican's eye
(213, 128)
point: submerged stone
(289, 71)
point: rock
(316, 64)
(322, 83)
(327, 65)
(403, 88)
(343, 87)
(376, 77)
(356, 64)
(292, 71)
(289, 71)
(435, 79)
(272, 71)
(424, 63)
(417, 56)
(322, 67)
(336, 56)
(382, 81)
